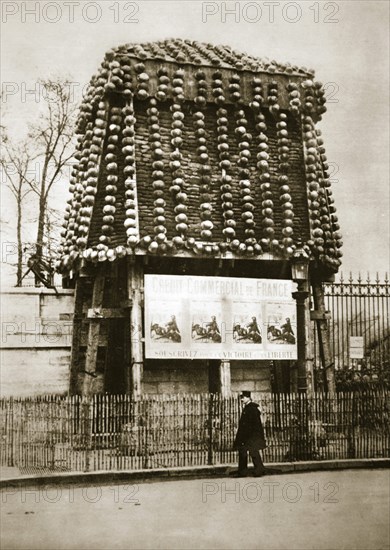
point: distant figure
(42, 270)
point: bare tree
(53, 225)
(38, 162)
(52, 139)
(15, 162)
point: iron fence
(359, 308)
(116, 432)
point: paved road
(321, 510)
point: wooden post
(282, 377)
(86, 430)
(210, 429)
(214, 375)
(294, 377)
(93, 337)
(135, 289)
(323, 338)
(224, 378)
(114, 318)
(76, 338)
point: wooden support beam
(324, 338)
(224, 378)
(214, 375)
(87, 270)
(320, 315)
(76, 338)
(135, 291)
(114, 320)
(106, 313)
(90, 374)
(282, 376)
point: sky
(346, 42)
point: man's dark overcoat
(250, 433)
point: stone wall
(35, 342)
(250, 375)
(193, 377)
(35, 352)
(175, 376)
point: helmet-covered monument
(200, 191)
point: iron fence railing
(359, 308)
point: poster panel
(219, 318)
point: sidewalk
(11, 477)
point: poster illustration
(165, 323)
(226, 318)
(247, 324)
(206, 322)
(281, 324)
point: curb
(106, 477)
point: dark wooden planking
(93, 336)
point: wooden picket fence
(116, 432)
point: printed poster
(228, 318)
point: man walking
(249, 437)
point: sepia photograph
(195, 296)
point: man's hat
(245, 393)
